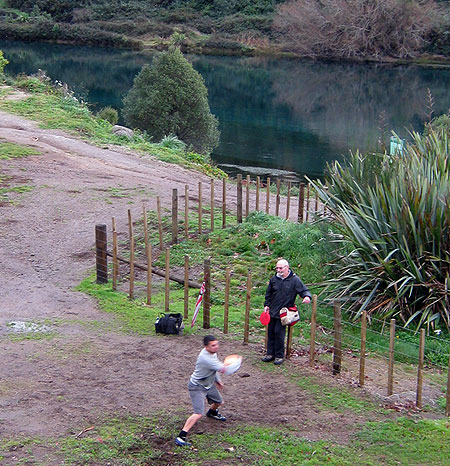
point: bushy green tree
(170, 97)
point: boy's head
(211, 344)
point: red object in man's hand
(264, 318)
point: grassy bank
(55, 107)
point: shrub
(109, 114)
(395, 232)
(170, 97)
(3, 62)
(357, 28)
(172, 142)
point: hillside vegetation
(353, 29)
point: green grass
(9, 150)
(149, 440)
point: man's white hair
(282, 263)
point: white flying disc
(232, 363)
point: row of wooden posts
(102, 277)
(303, 212)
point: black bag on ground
(169, 324)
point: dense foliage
(357, 28)
(325, 28)
(394, 218)
(170, 97)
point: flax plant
(393, 214)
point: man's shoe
(278, 361)
(182, 442)
(267, 358)
(216, 416)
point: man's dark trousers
(275, 341)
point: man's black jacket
(282, 293)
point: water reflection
(274, 114)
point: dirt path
(53, 387)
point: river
(280, 117)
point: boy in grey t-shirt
(204, 383)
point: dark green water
(287, 115)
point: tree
(170, 97)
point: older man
(283, 288)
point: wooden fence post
(239, 198)
(277, 199)
(200, 208)
(148, 254)
(316, 202)
(420, 369)
(101, 257)
(207, 294)
(174, 216)
(227, 300)
(337, 350)
(258, 182)
(186, 210)
(247, 307)
(312, 340)
(130, 230)
(289, 341)
(268, 195)
(115, 273)
(447, 405)
(307, 201)
(301, 202)
(224, 203)
(362, 354)
(288, 201)
(390, 389)
(158, 208)
(212, 204)
(186, 286)
(247, 196)
(167, 282)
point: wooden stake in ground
(224, 203)
(362, 355)
(212, 204)
(115, 261)
(158, 209)
(239, 198)
(207, 295)
(174, 216)
(167, 282)
(101, 257)
(307, 201)
(289, 341)
(316, 202)
(258, 182)
(148, 255)
(288, 201)
(420, 369)
(268, 195)
(447, 405)
(247, 307)
(301, 202)
(227, 300)
(277, 199)
(390, 389)
(186, 287)
(131, 235)
(312, 340)
(247, 196)
(337, 350)
(200, 208)
(186, 211)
